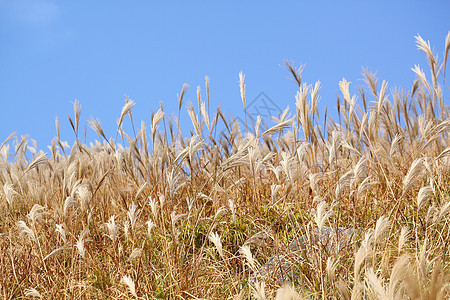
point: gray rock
(279, 266)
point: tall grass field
(158, 214)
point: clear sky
(53, 52)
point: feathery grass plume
(199, 98)
(83, 195)
(398, 273)
(80, 242)
(344, 85)
(343, 289)
(125, 110)
(10, 136)
(156, 118)
(323, 213)
(32, 292)
(381, 97)
(77, 112)
(68, 203)
(112, 229)
(287, 292)
(36, 213)
(133, 214)
(206, 117)
(425, 193)
(95, 125)
(444, 210)
(153, 206)
(10, 194)
(242, 87)
(421, 75)
(278, 127)
(332, 264)
(198, 127)
(174, 183)
(295, 72)
(126, 228)
(61, 232)
(247, 253)
(26, 231)
(366, 184)
(232, 208)
(57, 128)
(405, 235)
(395, 144)
(181, 96)
(41, 159)
(174, 217)
(215, 239)
(274, 188)
(376, 284)
(381, 227)
(443, 154)
(53, 253)
(207, 90)
(128, 281)
(414, 175)
(136, 253)
(259, 290)
(363, 253)
(190, 203)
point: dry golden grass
(195, 217)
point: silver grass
(323, 213)
(176, 217)
(215, 239)
(332, 264)
(376, 284)
(157, 117)
(136, 253)
(247, 254)
(42, 158)
(366, 184)
(53, 253)
(242, 87)
(421, 75)
(69, 202)
(128, 281)
(36, 213)
(61, 232)
(259, 290)
(112, 229)
(79, 245)
(32, 292)
(125, 109)
(404, 238)
(10, 194)
(413, 175)
(381, 227)
(126, 228)
(424, 194)
(133, 214)
(287, 292)
(153, 206)
(25, 231)
(83, 195)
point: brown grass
(194, 217)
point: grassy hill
(155, 214)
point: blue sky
(53, 52)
